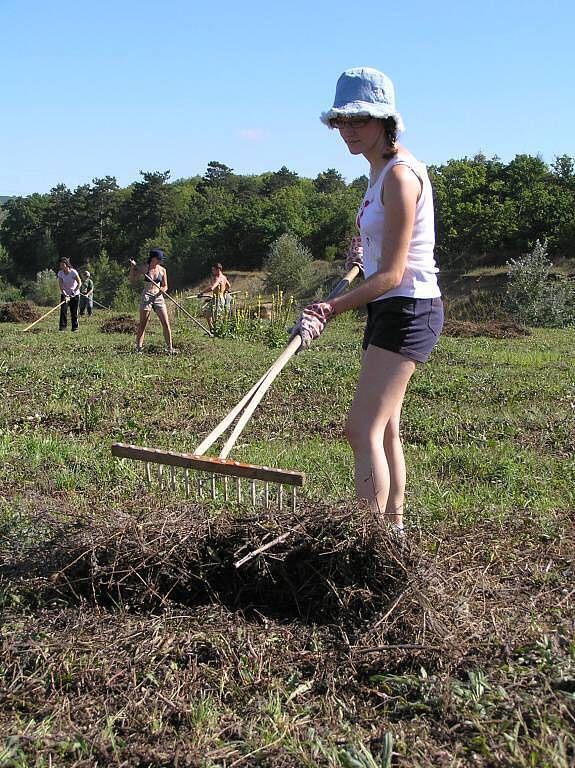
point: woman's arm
(164, 285)
(400, 194)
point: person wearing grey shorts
(156, 284)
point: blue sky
(112, 88)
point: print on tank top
(360, 213)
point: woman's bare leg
(393, 448)
(378, 398)
(144, 317)
(166, 328)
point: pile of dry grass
(18, 312)
(119, 324)
(331, 567)
(149, 618)
(494, 329)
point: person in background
(221, 296)
(86, 294)
(155, 285)
(405, 312)
(70, 284)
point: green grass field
(469, 659)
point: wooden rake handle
(45, 315)
(252, 399)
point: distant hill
(3, 198)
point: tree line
(486, 212)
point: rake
(214, 473)
(49, 312)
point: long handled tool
(222, 466)
(101, 305)
(178, 305)
(49, 312)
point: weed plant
(246, 320)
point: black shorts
(401, 324)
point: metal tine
(187, 482)
(225, 488)
(280, 497)
(148, 473)
(173, 478)
(239, 489)
(253, 491)
(200, 483)
(293, 499)
(267, 495)
(161, 476)
(214, 487)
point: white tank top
(420, 276)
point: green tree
(329, 181)
(151, 205)
(216, 175)
(26, 238)
(109, 277)
(271, 182)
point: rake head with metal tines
(216, 477)
(215, 472)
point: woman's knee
(362, 436)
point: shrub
(110, 279)
(126, 297)
(45, 290)
(287, 265)
(535, 295)
(9, 292)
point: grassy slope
(489, 438)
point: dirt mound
(18, 312)
(119, 324)
(493, 329)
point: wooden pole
(49, 312)
(276, 369)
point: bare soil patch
(493, 329)
(119, 324)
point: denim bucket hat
(156, 253)
(363, 91)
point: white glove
(312, 322)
